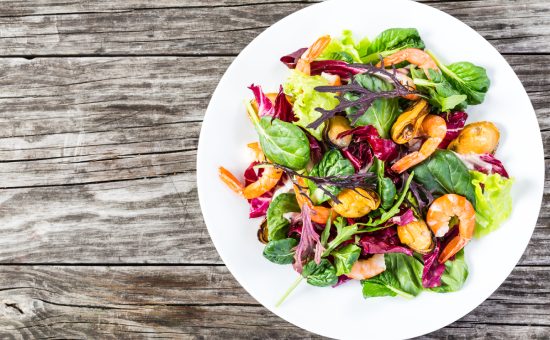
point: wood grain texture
(97, 169)
(220, 27)
(196, 302)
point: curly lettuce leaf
(493, 201)
(345, 48)
(301, 88)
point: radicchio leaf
(316, 151)
(383, 241)
(431, 275)
(485, 163)
(265, 106)
(283, 109)
(455, 123)
(402, 219)
(341, 280)
(335, 67)
(310, 242)
(290, 60)
(384, 149)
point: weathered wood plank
(221, 27)
(37, 301)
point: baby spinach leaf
(403, 277)
(456, 273)
(386, 187)
(332, 164)
(391, 41)
(320, 275)
(444, 173)
(440, 92)
(283, 143)
(277, 225)
(345, 257)
(383, 112)
(280, 251)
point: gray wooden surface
(101, 105)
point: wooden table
(101, 105)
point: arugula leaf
(386, 187)
(320, 275)
(440, 92)
(332, 164)
(277, 225)
(493, 201)
(345, 257)
(403, 277)
(456, 273)
(444, 173)
(280, 251)
(283, 143)
(391, 41)
(383, 112)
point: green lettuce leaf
(391, 41)
(277, 225)
(345, 257)
(332, 164)
(345, 48)
(306, 99)
(456, 273)
(493, 201)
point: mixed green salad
(365, 167)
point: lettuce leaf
(345, 48)
(493, 201)
(306, 99)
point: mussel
(478, 137)
(355, 203)
(417, 236)
(336, 125)
(263, 232)
(408, 123)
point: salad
(365, 167)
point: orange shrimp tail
(452, 248)
(269, 179)
(408, 161)
(311, 53)
(257, 150)
(230, 180)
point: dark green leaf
(283, 143)
(456, 273)
(320, 275)
(440, 92)
(468, 79)
(345, 257)
(403, 276)
(383, 112)
(444, 173)
(280, 251)
(386, 187)
(332, 164)
(391, 41)
(277, 225)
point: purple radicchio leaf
(359, 154)
(290, 60)
(455, 123)
(383, 149)
(431, 275)
(485, 163)
(383, 241)
(334, 67)
(341, 280)
(283, 109)
(309, 242)
(316, 151)
(265, 106)
(402, 219)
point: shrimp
(412, 55)
(257, 151)
(269, 179)
(304, 63)
(230, 180)
(435, 128)
(319, 214)
(440, 213)
(366, 268)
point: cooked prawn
(435, 128)
(366, 268)
(304, 63)
(440, 213)
(257, 151)
(412, 55)
(267, 181)
(319, 214)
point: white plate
(342, 312)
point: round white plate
(342, 312)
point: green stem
(289, 290)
